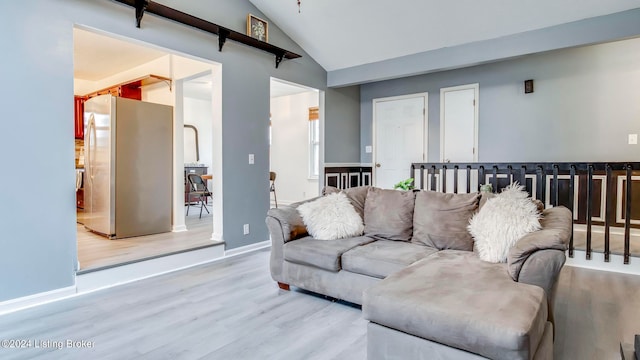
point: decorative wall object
(257, 28)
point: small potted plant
(405, 185)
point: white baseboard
(248, 248)
(615, 264)
(36, 299)
(179, 228)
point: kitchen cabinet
(78, 122)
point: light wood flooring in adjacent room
(97, 252)
(616, 242)
(231, 309)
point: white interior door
(459, 131)
(400, 128)
(458, 123)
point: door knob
(377, 164)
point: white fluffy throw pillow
(331, 217)
(502, 221)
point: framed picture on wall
(257, 28)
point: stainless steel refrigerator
(128, 167)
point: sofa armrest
(542, 268)
(555, 234)
(287, 225)
(284, 224)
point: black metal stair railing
(570, 184)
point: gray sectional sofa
(426, 294)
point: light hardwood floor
(232, 309)
(96, 252)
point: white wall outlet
(368, 149)
(252, 159)
(245, 229)
(633, 139)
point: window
(314, 143)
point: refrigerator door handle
(91, 131)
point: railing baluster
(572, 176)
(555, 188)
(443, 178)
(495, 178)
(607, 204)
(421, 177)
(481, 176)
(468, 179)
(412, 173)
(433, 179)
(540, 180)
(523, 178)
(627, 216)
(455, 179)
(589, 208)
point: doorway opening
(400, 137)
(105, 64)
(295, 138)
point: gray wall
(342, 133)
(36, 133)
(584, 105)
(590, 31)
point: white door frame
(425, 127)
(476, 88)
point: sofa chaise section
(453, 298)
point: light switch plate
(368, 149)
(252, 159)
(633, 139)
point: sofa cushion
(440, 220)
(357, 196)
(454, 298)
(383, 257)
(322, 254)
(331, 217)
(388, 214)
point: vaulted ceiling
(340, 34)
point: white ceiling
(340, 34)
(97, 57)
(283, 88)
